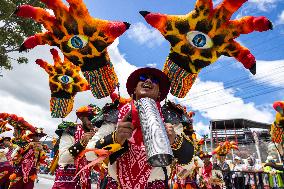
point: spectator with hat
(204, 181)
(238, 176)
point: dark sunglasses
(144, 77)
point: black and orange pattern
(200, 37)
(82, 39)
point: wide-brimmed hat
(205, 155)
(89, 110)
(4, 138)
(38, 133)
(133, 79)
(237, 158)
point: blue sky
(224, 81)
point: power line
(221, 99)
(252, 96)
(250, 85)
(234, 83)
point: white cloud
(34, 114)
(280, 18)
(144, 35)
(270, 72)
(122, 68)
(210, 104)
(253, 7)
(201, 128)
(152, 65)
(216, 2)
(263, 5)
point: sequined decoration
(181, 80)
(102, 80)
(60, 107)
(276, 133)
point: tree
(13, 30)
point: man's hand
(124, 129)
(171, 133)
(86, 137)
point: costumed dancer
(26, 159)
(128, 166)
(187, 178)
(73, 138)
(176, 115)
(222, 150)
(277, 134)
(6, 150)
(204, 179)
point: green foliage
(13, 30)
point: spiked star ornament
(82, 39)
(64, 82)
(200, 37)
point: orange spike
(156, 20)
(230, 7)
(56, 6)
(242, 54)
(38, 14)
(47, 67)
(56, 57)
(249, 24)
(32, 41)
(206, 3)
(115, 29)
(78, 8)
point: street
(46, 182)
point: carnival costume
(5, 166)
(69, 147)
(177, 115)
(27, 158)
(82, 39)
(200, 37)
(206, 171)
(128, 166)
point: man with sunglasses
(73, 140)
(128, 167)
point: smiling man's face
(148, 89)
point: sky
(223, 90)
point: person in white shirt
(238, 176)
